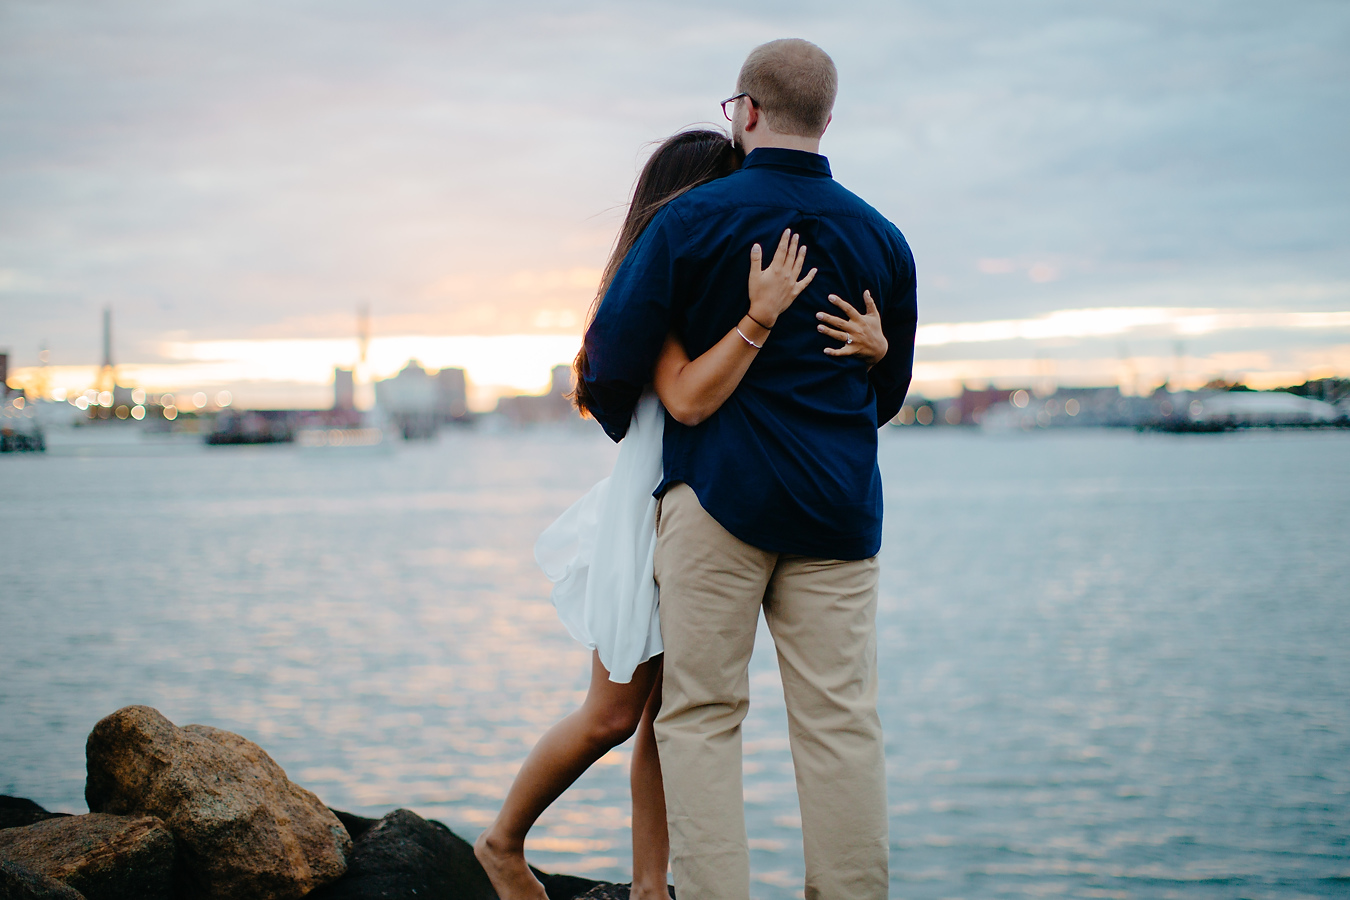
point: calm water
(1112, 665)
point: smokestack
(363, 330)
(107, 337)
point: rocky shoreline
(197, 813)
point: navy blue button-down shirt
(789, 462)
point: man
(773, 502)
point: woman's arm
(692, 390)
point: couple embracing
(746, 480)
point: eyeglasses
(729, 105)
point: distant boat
(20, 429)
(1261, 408)
(253, 427)
(313, 438)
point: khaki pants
(822, 614)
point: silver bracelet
(747, 340)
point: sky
(1106, 193)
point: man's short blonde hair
(794, 83)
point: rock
(103, 857)
(16, 812)
(606, 892)
(569, 887)
(404, 855)
(355, 825)
(19, 883)
(612, 892)
(242, 829)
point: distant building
(971, 406)
(452, 395)
(344, 389)
(412, 390)
(418, 402)
(410, 401)
(551, 407)
(1103, 407)
(561, 383)
(1000, 410)
(1220, 406)
(4, 375)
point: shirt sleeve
(899, 322)
(625, 338)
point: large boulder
(20, 883)
(16, 811)
(103, 857)
(355, 825)
(242, 828)
(407, 857)
(570, 887)
(404, 855)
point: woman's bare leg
(608, 717)
(651, 842)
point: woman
(598, 553)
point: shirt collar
(782, 158)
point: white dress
(598, 553)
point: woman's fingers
(843, 305)
(846, 350)
(834, 333)
(871, 307)
(833, 321)
(801, 285)
(789, 259)
(848, 308)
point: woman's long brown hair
(682, 162)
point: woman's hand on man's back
(773, 288)
(860, 332)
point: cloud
(1111, 322)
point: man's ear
(827, 125)
(751, 116)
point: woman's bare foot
(652, 891)
(507, 870)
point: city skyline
(297, 373)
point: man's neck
(753, 141)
